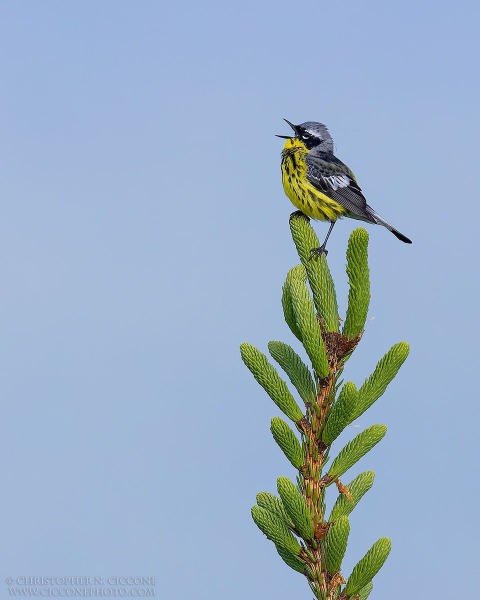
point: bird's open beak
(288, 137)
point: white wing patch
(338, 181)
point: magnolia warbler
(319, 184)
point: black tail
(400, 236)
(381, 221)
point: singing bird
(319, 184)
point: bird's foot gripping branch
(310, 539)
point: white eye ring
(305, 136)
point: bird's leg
(316, 252)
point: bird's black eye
(305, 136)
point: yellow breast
(300, 191)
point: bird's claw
(299, 213)
(317, 252)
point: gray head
(313, 135)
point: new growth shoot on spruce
(308, 539)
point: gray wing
(333, 178)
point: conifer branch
(296, 520)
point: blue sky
(144, 235)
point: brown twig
(338, 347)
